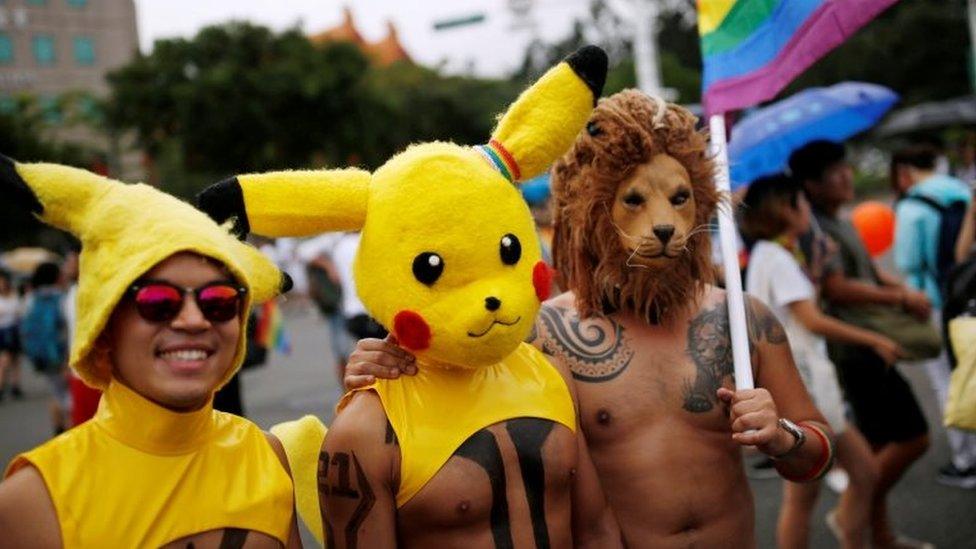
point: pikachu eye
(510, 249)
(427, 267)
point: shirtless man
(162, 300)
(646, 337)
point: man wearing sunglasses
(162, 300)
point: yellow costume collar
(144, 425)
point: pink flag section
(826, 28)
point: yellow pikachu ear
(60, 195)
(543, 122)
(290, 203)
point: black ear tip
(286, 282)
(225, 200)
(590, 63)
(11, 183)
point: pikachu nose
(492, 303)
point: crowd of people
(609, 418)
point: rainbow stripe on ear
(498, 156)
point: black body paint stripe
(528, 435)
(367, 499)
(233, 538)
(482, 448)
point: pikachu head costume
(449, 262)
(124, 231)
(449, 259)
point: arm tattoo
(391, 437)
(340, 462)
(594, 348)
(763, 324)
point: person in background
(10, 311)
(929, 202)
(884, 406)
(775, 215)
(84, 399)
(43, 336)
(326, 291)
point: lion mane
(626, 130)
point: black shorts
(884, 406)
(10, 340)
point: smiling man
(162, 301)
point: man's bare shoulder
(27, 514)
(361, 433)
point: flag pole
(730, 260)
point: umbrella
(933, 115)
(762, 141)
(25, 260)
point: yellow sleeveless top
(139, 475)
(435, 411)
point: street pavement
(303, 382)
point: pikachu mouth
(492, 325)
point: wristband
(823, 463)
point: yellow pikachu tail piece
(543, 122)
(302, 439)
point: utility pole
(643, 16)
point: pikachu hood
(124, 231)
(449, 259)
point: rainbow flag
(270, 331)
(752, 49)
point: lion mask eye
(680, 197)
(594, 129)
(634, 199)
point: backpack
(42, 331)
(951, 218)
(326, 294)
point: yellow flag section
(961, 406)
(711, 13)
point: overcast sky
(492, 48)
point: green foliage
(22, 137)
(917, 48)
(238, 98)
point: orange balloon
(875, 223)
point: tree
(238, 98)
(22, 137)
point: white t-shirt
(776, 278)
(341, 247)
(10, 309)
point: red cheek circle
(411, 330)
(542, 280)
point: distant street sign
(459, 22)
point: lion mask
(633, 200)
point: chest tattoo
(710, 348)
(594, 349)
